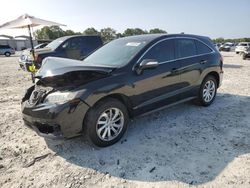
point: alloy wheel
(110, 124)
(209, 91)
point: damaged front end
(52, 107)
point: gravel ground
(181, 146)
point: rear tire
(7, 54)
(208, 91)
(106, 122)
(244, 56)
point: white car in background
(241, 47)
(227, 47)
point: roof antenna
(182, 33)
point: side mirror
(146, 64)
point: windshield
(117, 53)
(55, 43)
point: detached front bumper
(55, 121)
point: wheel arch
(123, 99)
(215, 75)
(118, 96)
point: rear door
(193, 56)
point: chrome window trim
(176, 59)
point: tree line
(222, 40)
(107, 34)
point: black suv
(125, 78)
(72, 47)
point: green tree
(134, 31)
(52, 32)
(108, 34)
(219, 40)
(57, 32)
(157, 30)
(43, 33)
(119, 35)
(69, 32)
(90, 31)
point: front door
(160, 86)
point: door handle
(203, 62)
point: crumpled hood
(60, 72)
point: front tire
(106, 122)
(208, 91)
(7, 54)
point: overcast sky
(213, 18)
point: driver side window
(162, 52)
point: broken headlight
(59, 97)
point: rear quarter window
(202, 48)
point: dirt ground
(181, 146)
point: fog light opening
(48, 129)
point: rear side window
(185, 48)
(90, 43)
(163, 51)
(202, 48)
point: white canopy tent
(27, 21)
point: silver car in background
(6, 50)
(26, 59)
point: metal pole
(33, 53)
(31, 42)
